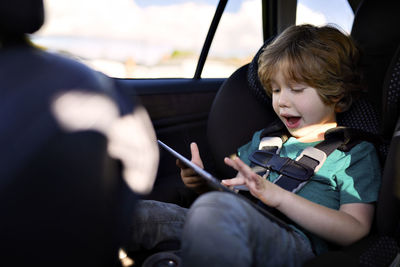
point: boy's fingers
(233, 181)
(180, 164)
(196, 155)
(188, 172)
(243, 167)
(230, 163)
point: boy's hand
(189, 177)
(262, 189)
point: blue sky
(232, 6)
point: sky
(143, 28)
(232, 6)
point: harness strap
(294, 174)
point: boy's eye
(298, 89)
(276, 90)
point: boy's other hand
(189, 177)
(259, 187)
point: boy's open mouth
(292, 122)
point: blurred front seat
(62, 201)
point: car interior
(241, 96)
(214, 112)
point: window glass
(237, 40)
(319, 12)
(129, 38)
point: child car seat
(229, 125)
(373, 29)
(382, 246)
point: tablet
(215, 184)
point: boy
(311, 74)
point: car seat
(383, 245)
(62, 201)
(229, 126)
(374, 31)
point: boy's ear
(338, 108)
(339, 103)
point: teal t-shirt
(345, 177)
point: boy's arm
(344, 226)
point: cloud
(146, 33)
(306, 15)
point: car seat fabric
(374, 31)
(362, 115)
(391, 95)
(62, 200)
(234, 116)
(383, 245)
(389, 202)
(255, 85)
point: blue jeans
(156, 222)
(221, 230)
(224, 230)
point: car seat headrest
(373, 32)
(18, 17)
(253, 80)
(374, 18)
(391, 95)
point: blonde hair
(321, 57)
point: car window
(319, 12)
(151, 38)
(237, 40)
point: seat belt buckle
(315, 154)
(271, 141)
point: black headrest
(373, 25)
(18, 17)
(391, 95)
(253, 80)
(374, 29)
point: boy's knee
(215, 199)
(156, 211)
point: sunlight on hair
(131, 138)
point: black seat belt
(294, 174)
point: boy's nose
(283, 100)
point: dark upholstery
(254, 83)
(62, 200)
(382, 246)
(375, 30)
(391, 95)
(389, 204)
(235, 115)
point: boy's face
(301, 109)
